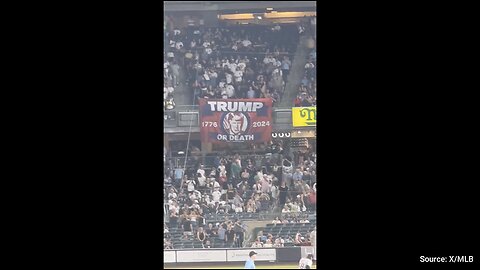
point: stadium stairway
(183, 95)
(250, 235)
(297, 72)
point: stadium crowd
(307, 91)
(242, 184)
(170, 78)
(239, 62)
(235, 62)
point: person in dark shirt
(201, 236)
(283, 194)
(211, 230)
(187, 226)
(239, 231)
(201, 220)
(230, 236)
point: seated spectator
(208, 244)
(298, 239)
(201, 236)
(257, 244)
(169, 103)
(279, 242)
(276, 221)
(268, 243)
(167, 244)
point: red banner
(236, 120)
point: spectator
(187, 226)
(208, 244)
(268, 244)
(201, 235)
(191, 185)
(298, 239)
(221, 232)
(286, 63)
(230, 236)
(283, 194)
(211, 230)
(279, 242)
(257, 244)
(201, 170)
(276, 221)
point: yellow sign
(304, 116)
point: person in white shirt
(246, 43)
(230, 91)
(276, 221)
(266, 60)
(238, 75)
(309, 65)
(233, 67)
(213, 74)
(172, 196)
(216, 196)
(268, 243)
(221, 167)
(170, 89)
(228, 77)
(225, 63)
(202, 180)
(201, 170)
(216, 185)
(193, 196)
(165, 93)
(257, 244)
(306, 263)
(190, 185)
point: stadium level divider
(285, 254)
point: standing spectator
(190, 185)
(250, 92)
(230, 236)
(202, 181)
(187, 226)
(286, 63)
(175, 73)
(221, 232)
(239, 233)
(283, 194)
(201, 169)
(211, 231)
